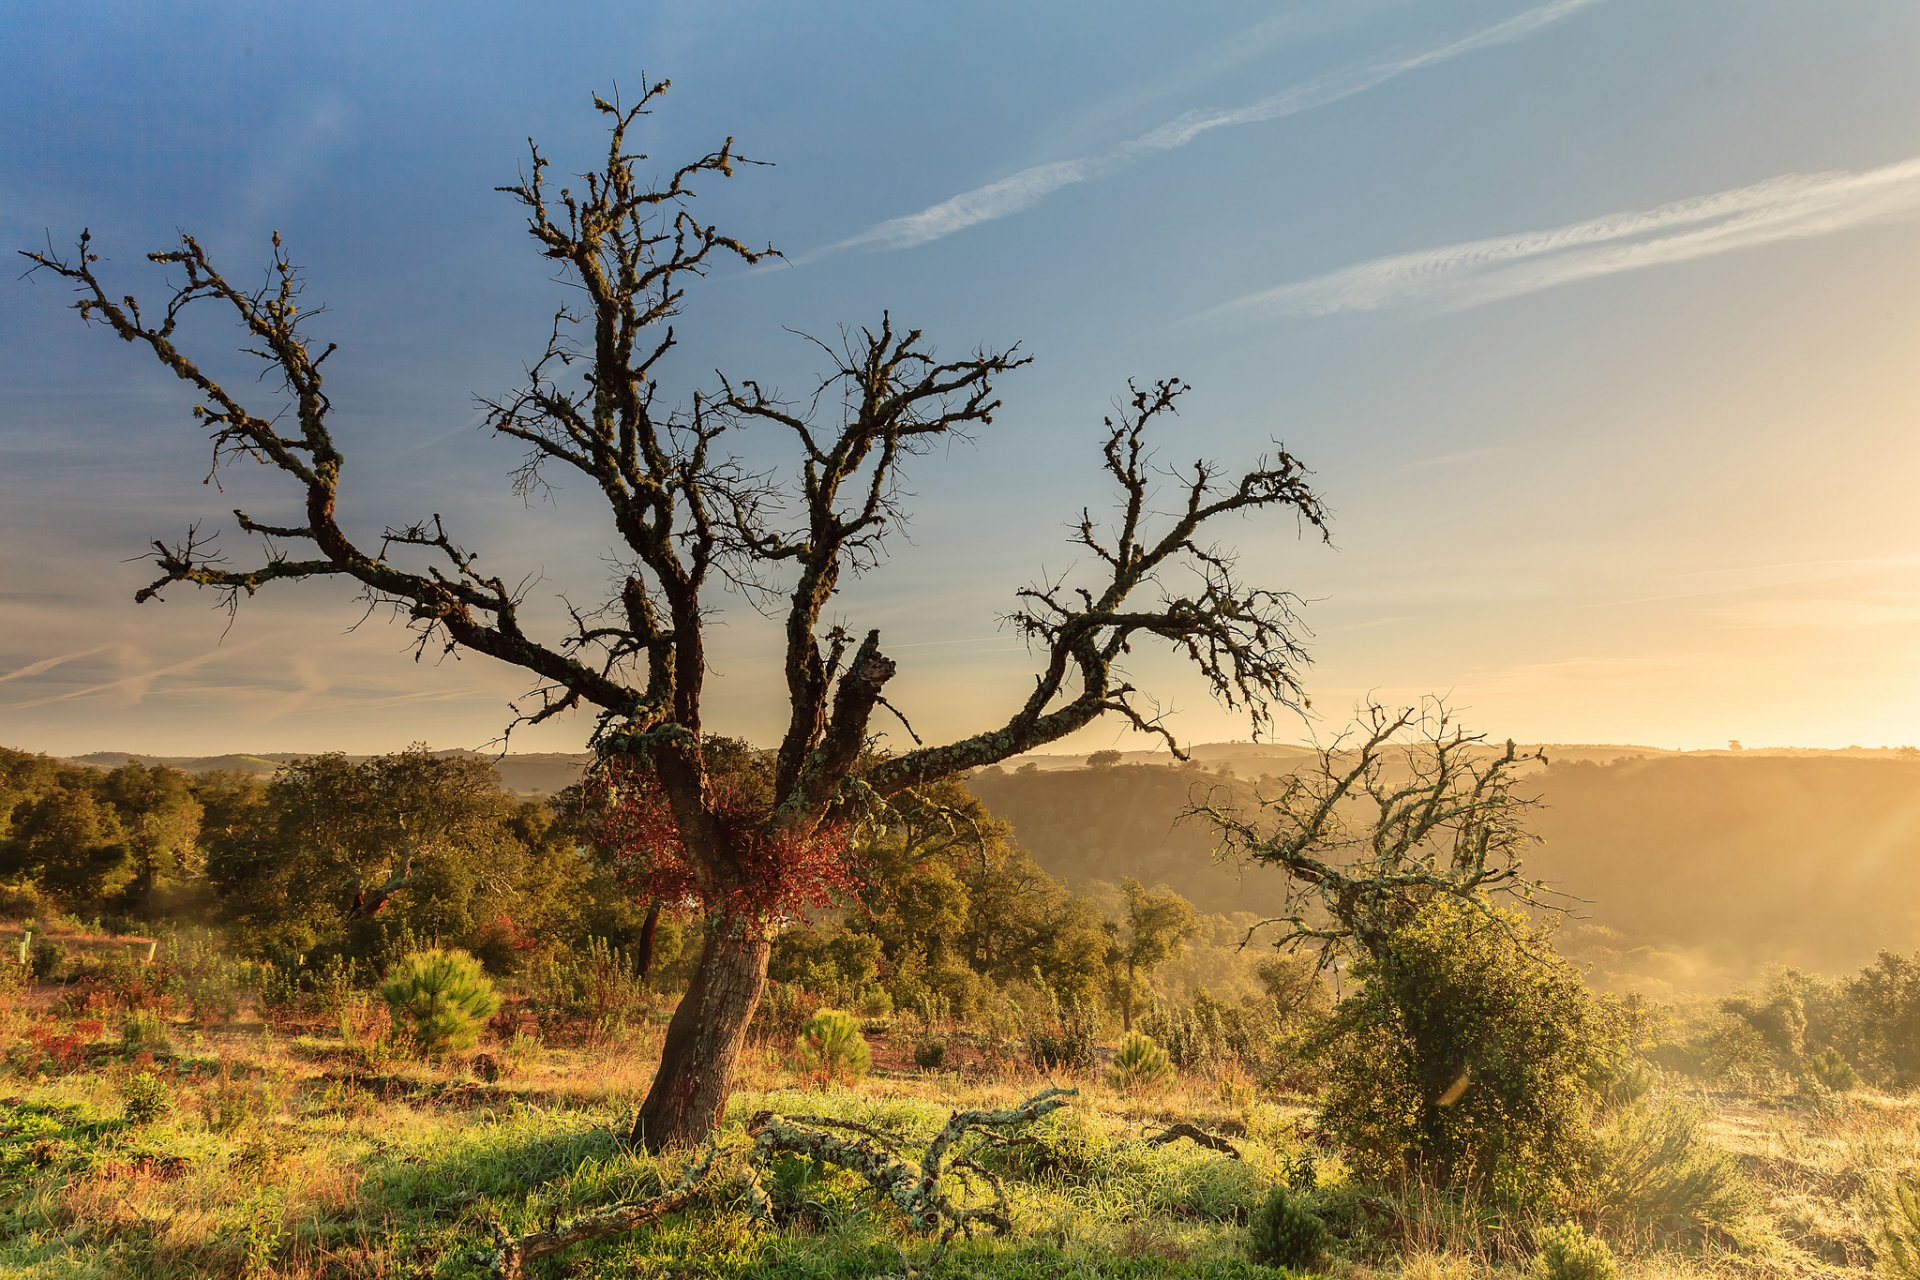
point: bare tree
(1404, 807)
(696, 518)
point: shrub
(1285, 1233)
(144, 1097)
(930, 1053)
(876, 1002)
(830, 1043)
(1471, 1055)
(144, 1031)
(1066, 1040)
(590, 995)
(1899, 1238)
(1649, 1170)
(1829, 1070)
(1140, 1064)
(46, 959)
(442, 998)
(1568, 1253)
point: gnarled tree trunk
(706, 1035)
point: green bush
(46, 959)
(830, 1043)
(1471, 1055)
(930, 1053)
(1065, 1041)
(1900, 1233)
(588, 995)
(1649, 1170)
(1568, 1253)
(442, 998)
(1829, 1070)
(144, 1097)
(1139, 1064)
(144, 1031)
(1285, 1233)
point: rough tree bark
(705, 1036)
(696, 516)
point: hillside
(1693, 870)
(529, 773)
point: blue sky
(1595, 318)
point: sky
(1595, 319)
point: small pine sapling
(442, 998)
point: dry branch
(1196, 1135)
(920, 1191)
(511, 1254)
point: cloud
(135, 686)
(1030, 186)
(47, 664)
(1476, 272)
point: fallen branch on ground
(1195, 1134)
(511, 1254)
(920, 1192)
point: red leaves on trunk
(763, 871)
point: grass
(284, 1152)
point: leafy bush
(1828, 1070)
(830, 1043)
(1285, 1233)
(930, 1053)
(443, 999)
(1065, 1041)
(144, 1097)
(1650, 1170)
(1900, 1233)
(46, 959)
(144, 1031)
(876, 1002)
(1139, 1064)
(1568, 1253)
(1472, 1055)
(589, 995)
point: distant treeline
(339, 861)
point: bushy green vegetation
(1285, 1233)
(442, 998)
(1471, 1055)
(1568, 1253)
(198, 1102)
(1138, 1064)
(830, 1044)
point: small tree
(1470, 1054)
(1470, 1051)
(1155, 925)
(696, 515)
(443, 999)
(831, 1045)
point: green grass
(283, 1156)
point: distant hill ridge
(1695, 868)
(527, 772)
(545, 772)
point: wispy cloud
(132, 689)
(47, 664)
(1030, 186)
(1791, 207)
